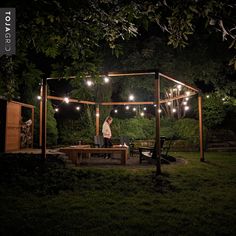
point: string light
(144, 108)
(179, 87)
(159, 110)
(89, 83)
(66, 100)
(186, 99)
(173, 110)
(106, 79)
(155, 105)
(116, 111)
(207, 96)
(186, 108)
(134, 109)
(131, 97)
(142, 113)
(77, 108)
(168, 103)
(187, 93)
(127, 107)
(56, 109)
(39, 97)
(97, 114)
(184, 103)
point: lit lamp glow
(97, 114)
(173, 110)
(184, 103)
(116, 111)
(134, 109)
(168, 103)
(56, 109)
(66, 100)
(89, 83)
(207, 96)
(187, 93)
(186, 108)
(131, 97)
(179, 87)
(142, 113)
(77, 108)
(127, 107)
(39, 97)
(106, 79)
(159, 110)
(144, 108)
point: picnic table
(75, 152)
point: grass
(187, 199)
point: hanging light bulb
(106, 79)
(77, 108)
(207, 96)
(89, 83)
(159, 110)
(134, 109)
(131, 97)
(187, 93)
(116, 111)
(186, 99)
(127, 107)
(186, 108)
(142, 113)
(144, 108)
(173, 110)
(184, 103)
(66, 100)
(168, 103)
(39, 97)
(179, 86)
(155, 105)
(56, 109)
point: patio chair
(149, 153)
(98, 141)
(124, 140)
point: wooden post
(158, 142)
(40, 115)
(97, 120)
(200, 128)
(32, 131)
(44, 118)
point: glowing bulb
(142, 113)
(223, 99)
(173, 110)
(106, 79)
(39, 97)
(159, 110)
(78, 108)
(168, 103)
(155, 105)
(131, 97)
(89, 83)
(66, 100)
(207, 96)
(56, 109)
(184, 103)
(97, 114)
(134, 109)
(116, 111)
(186, 99)
(187, 93)
(127, 107)
(179, 87)
(144, 108)
(186, 108)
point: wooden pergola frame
(157, 101)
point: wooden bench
(75, 153)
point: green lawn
(188, 199)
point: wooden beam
(23, 104)
(181, 83)
(125, 103)
(40, 116)
(70, 100)
(116, 74)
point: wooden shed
(11, 124)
